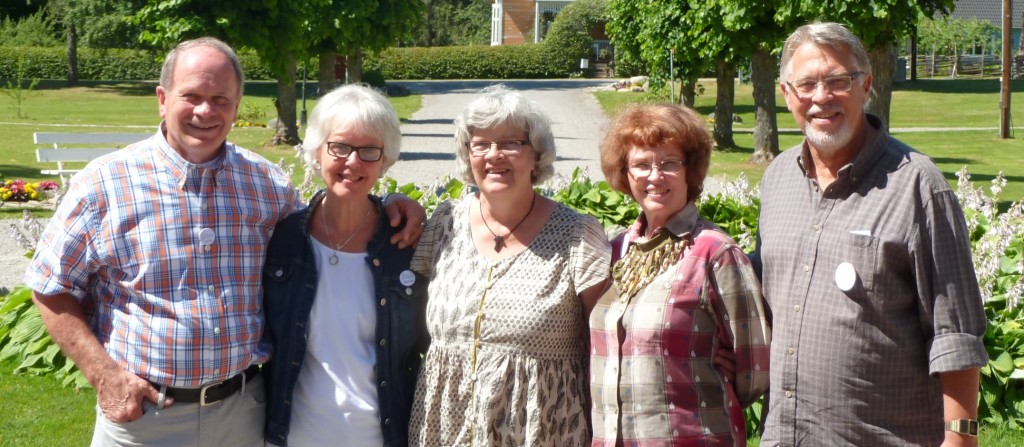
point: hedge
(101, 64)
(467, 62)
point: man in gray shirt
(878, 319)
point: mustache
(822, 109)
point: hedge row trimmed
(467, 62)
(101, 64)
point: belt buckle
(202, 394)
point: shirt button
(206, 248)
(790, 351)
(216, 371)
(815, 227)
(216, 330)
(383, 302)
(789, 394)
(211, 288)
(383, 341)
(376, 262)
(796, 308)
(807, 268)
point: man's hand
(399, 207)
(120, 396)
(725, 360)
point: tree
(951, 36)
(274, 28)
(453, 22)
(879, 23)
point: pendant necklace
(499, 241)
(333, 260)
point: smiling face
(829, 120)
(200, 104)
(660, 194)
(350, 177)
(494, 171)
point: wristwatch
(967, 427)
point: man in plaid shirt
(148, 275)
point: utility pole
(1005, 84)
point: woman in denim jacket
(345, 315)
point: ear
(161, 98)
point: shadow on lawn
(12, 172)
(955, 85)
(264, 89)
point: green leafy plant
(24, 338)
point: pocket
(861, 251)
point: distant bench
(67, 148)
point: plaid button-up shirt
(165, 257)
(654, 381)
(872, 292)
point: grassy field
(924, 103)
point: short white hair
(353, 106)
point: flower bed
(22, 191)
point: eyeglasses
(807, 87)
(481, 148)
(644, 169)
(342, 150)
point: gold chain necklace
(333, 260)
(499, 241)
(645, 261)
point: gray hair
(827, 33)
(353, 106)
(499, 106)
(167, 71)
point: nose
(493, 151)
(203, 108)
(821, 91)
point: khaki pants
(233, 422)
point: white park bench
(79, 147)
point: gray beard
(828, 142)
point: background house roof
(988, 10)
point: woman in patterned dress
(683, 294)
(512, 277)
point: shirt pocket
(277, 280)
(861, 251)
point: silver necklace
(333, 260)
(499, 241)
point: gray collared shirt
(858, 366)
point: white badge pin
(407, 278)
(846, 276)
(206, 236)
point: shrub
(471, 62)
(569, 39)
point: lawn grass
(122, 107)
(38, 411)
(924, 103)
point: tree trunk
(724, 105)
(72, 54)
(766, 135)
(325, 77)
(883, 66)
(354, 67)
(287, 131)
(688, 92)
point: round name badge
(407, 278)
(207, 236)
(846, 276)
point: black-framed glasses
(644, 169)
(482, 147)
(806, 87)
(342, 150)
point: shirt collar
(184, 171)
(681, 224)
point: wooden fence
(966, 66)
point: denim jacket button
(278, 273)
(383, 302)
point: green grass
(39, 412)
(925, 103)
(113, 107)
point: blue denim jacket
(289, 284)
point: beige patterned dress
(507, 364)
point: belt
(214, 392)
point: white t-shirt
(335, 400)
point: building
(991, 11)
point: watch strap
(963, 426)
